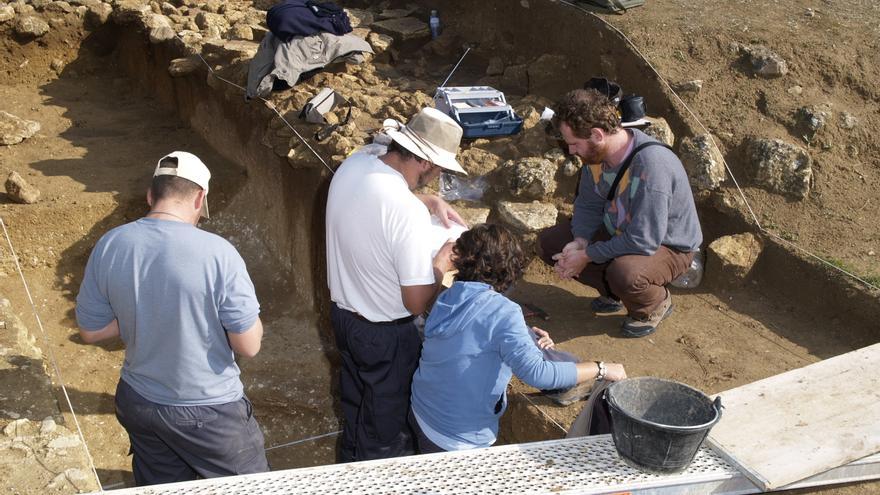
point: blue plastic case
(481, 111)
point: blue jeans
(181, 443)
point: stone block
(14, 130)
(531, 178)
(18, 190)
(31, 26)
(403, 28)
(703, 162)
(781, 167)
(660, 130)
(732, 257)
(527, 217)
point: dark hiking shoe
(568, 396)
(642, 327)
(605, 304)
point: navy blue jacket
(306, 18)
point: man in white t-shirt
(381, 274)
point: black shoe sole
(645, 331)
(606, 310)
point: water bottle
(692, 277)
(434, 24)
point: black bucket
(658, 425)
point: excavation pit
(111, 108)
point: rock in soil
(703, 162)
(359, 17)
(660, 130)
(20, 191)
(764, 61)
(7, 13)
(14, 130)
(531, 178)
(732, 257)
(403, 28)
(31, 26)
(527, 217)
(380, 42)
(180, 67)
(781, 167)
(812, 119)
(689, 87)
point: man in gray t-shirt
(635, 227)
(182, 302)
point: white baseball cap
(186, 166)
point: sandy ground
(831, 49)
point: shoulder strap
(625, 166)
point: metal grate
(577, 465)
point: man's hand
(442, 210)
(544, 341)
(571, 261)
(578, 244)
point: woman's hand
(614, 372)
(544, 341)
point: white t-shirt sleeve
(411, 247)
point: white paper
(440, 234)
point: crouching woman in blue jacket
(475, 340)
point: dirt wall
(278, 212)
(520, 32)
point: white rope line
(723, 160)
(288, 444)
(269, 104)
(296, 442)
(543, 413)
(51, 354)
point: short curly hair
(584, 109)
(490, 254)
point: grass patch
(870, 278)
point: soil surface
(92, 161)
(831, 49)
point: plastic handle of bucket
(718, 406)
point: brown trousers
(638, 281)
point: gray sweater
(654, 206)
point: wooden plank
(804, 422)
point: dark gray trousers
(181, 443)
(424, 444)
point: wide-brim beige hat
(431, 135)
